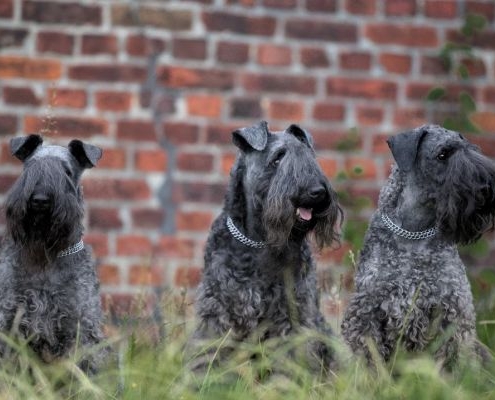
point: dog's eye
(444, 154)
(68, 172)
(278, 157)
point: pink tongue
(305, 213)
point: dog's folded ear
(405, 147)
(23, 147)
(301, 135)
(86, 154)
(252, 138)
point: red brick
(310, 29)
(189, 49)
(400, 7)
(187, 276)
(361, 7)
(149, 275)
(487, 9)
(98, 242)
(489, 94)
(67, 126)
(168, 19)
(475, 67)
(410, 117)
(182, 77)
(109, 274)
(274, 55)
(443, 9)
(66, 97)
(51, 12)
(220, 134)
(419, 91)
(116, 189)
(380, 145)
(199, 192)
(93, 44)
(148, 218)
(113, 101)
(20, 96)
(355, 60)
(243, 3)
(134, 245)
(334, 139)
(369, 116)
(113, 159)
(8, 124)
(151, 160)
(404, 35)
(12, 37)
(285, 109)
(107, 73)
(232, 52)
(6, 182)
(279, 83)
(328, 166)
(227, 162)
(280, 4)
(361, 168)
(6, 9)
(199, 221)
(245, 107)
(136, 130)
(322, 5)
(361, 88)
(25, 67)
(173, 246)
(144, 46)
(242, 24)
(485, 121)
(204, 105)
(433, 65)
(195, 162)
(326, 111)
(484, 39)
(179, 133)
(55, 42)
(396, 63)
(314, 57)
(104, 219)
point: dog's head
(281, 181)
(45, 203)
(452, 177)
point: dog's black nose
(40, 202)
(318, 193)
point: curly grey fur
(49, 300)
(416, 291)
(269, 292)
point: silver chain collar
(240, 236)
(72, 249)
(407, 234)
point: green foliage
(349, 142)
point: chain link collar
(72, 249)
(240, 236)
(407, 234)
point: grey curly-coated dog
(49, 290)
(411, 285)
(259, 277)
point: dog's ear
(86, 154)
(254, 137)
(23, 147)
(405, 147)
(301, 135)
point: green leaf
(435, 94)
(473, 23)
(463, 71)
(467, 103)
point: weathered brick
(280, 4)
(239, 23)
(138, 130)
(369, 115)
(361, 168)
(199, 192)
(405, 35)
(286, 109)
(204, 105)
(80, 127)
(245, 107)
(475, 67)
(189, 49)
(113, 158)
(310, 29)
(51, 12)
(108, 274)
(55, 42)
(6, 9)
(487, 9)
(29, 68)
(400, 7)
(326, 111)
(314, 57)
(220, 133)
(379, 144)
(227, 162)
(419, 91)
(361, 7)
(98, 242)
(66, 97)
(93, 44)
(107, 73)
(107, 100)
(147, 218)
(410, 117)
(355, 60)
(329, 166)
(484, 39)
(489, 94)
(12, 37)
(333, 139)
(187, 276)
(433, 65)
(104, 219)
(134, 245)
(174, 246)
(20, 96)
(169, 19)
(8, 124)
(6, 182)
(182, 77)
(244, 3)
(274, 55)
(443, 9)
(193, 220)
(484, 120)
(279, 83)
(362, 88)
(322, 5)
(396, 63)
(116, 189)
(152, 160)
(195, 161)
(232, 52)
(181, 132)
(144, 46)
(149, 275)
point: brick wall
(160, 85)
